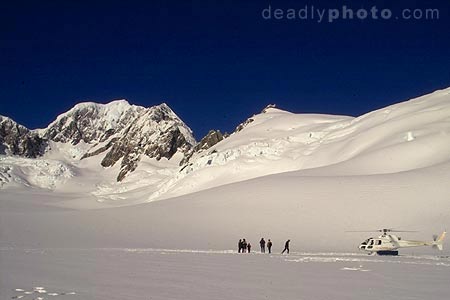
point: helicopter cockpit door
(370, 244)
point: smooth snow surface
(195, 275)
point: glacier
(169, 230)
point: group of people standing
(246, 247)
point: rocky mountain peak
(91, 122)
(16, 139)
(157, 133)
(117, 130)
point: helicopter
(388, 243)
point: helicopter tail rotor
(438, 241)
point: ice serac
(16, 139)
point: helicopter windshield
(365, 242)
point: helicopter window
(371, 242)
(378, 242)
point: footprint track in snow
(37, 293)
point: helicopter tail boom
(439, 242)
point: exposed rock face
(215, 136)
(268, 107)
(243, 124)
(16, 139)
(92, 122)
(212, 138)
(122, 131)
(250, 120)
(157, 132)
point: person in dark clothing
(262, 243)
(244, 245)
(269, 246)
(286, 247)
(240, 246)
(249, 247)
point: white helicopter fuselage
(387, 243)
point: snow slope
(405, 136)
(369, 174)
(307, 178)
(401, 137)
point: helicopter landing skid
(386, 252)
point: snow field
(172, 274)
(67, 228)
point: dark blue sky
(215, 62)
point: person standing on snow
(269, 246)
(286, 247)
(239, 246)
(244, 245)
(249, 247)
(262, 243)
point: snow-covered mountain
(155, 132)
(151, 143)
(91, 122)
(306, 177)
(116, 131)
(405, 136)
(16, 139)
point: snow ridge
(405, 136)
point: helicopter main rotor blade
(384, 230)
(361, 231)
